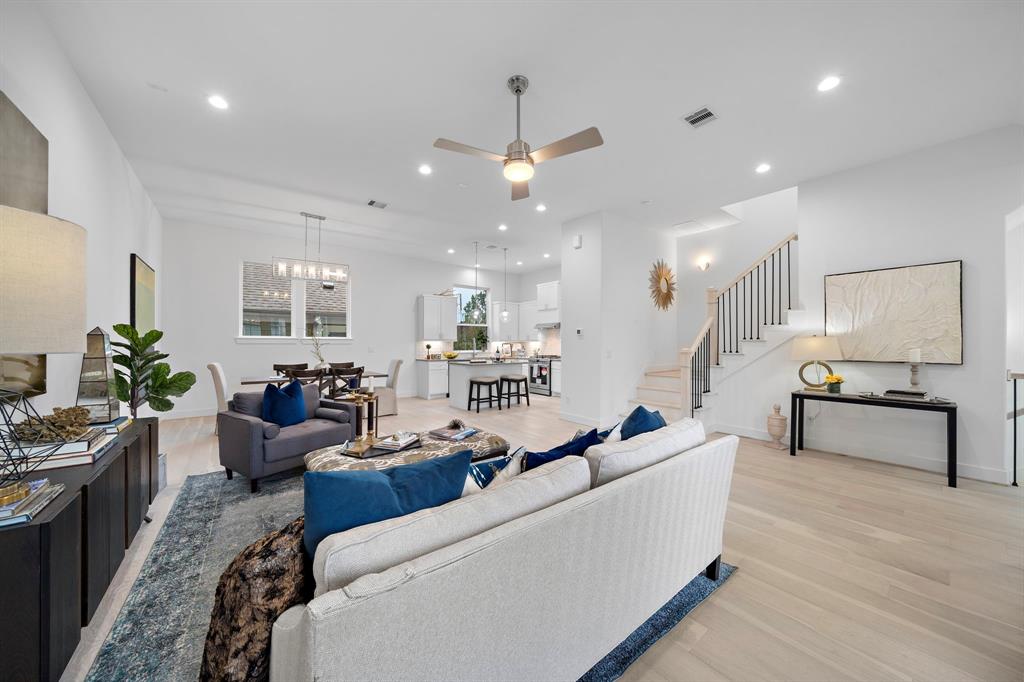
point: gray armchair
(256, 448)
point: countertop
(432, 360)
(490, 362)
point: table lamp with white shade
(42, 310)
(815, 350)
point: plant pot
(834, 388)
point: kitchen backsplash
(550, 342)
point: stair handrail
(765, 256)
(693, 375)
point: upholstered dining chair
(219, 387)
(284, 369)
(387, 396)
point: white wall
(604, 294)
(528, 281)
(200, 306)
(766, 221)
(91, 181)
(1015, 290)
(946, 202)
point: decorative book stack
(41, 493)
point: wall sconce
(703, 264)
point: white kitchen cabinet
(436, 317)
(556, 377)
(528, 321)
(431, 379)
(547, 296)
(504, 330)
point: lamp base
(809, 385)
(13, 492)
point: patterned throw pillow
(493, 471)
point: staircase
(747, 318)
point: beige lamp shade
(806, 348)
(42, 283)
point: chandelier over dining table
(307, 268)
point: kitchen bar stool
(491, 383)
(521, 383)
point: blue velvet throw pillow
(284, 406)
(336, 501)
(577, 447)
(641, 420)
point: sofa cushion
(641, 420)
(344, 557)
(271, 430)
(284, 406)
(612, 460)
(332, 414)
(248, 403)
(576, 446)
(299, 439)
(311, 395)
(337, 501)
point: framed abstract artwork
(880, 315)
(143, 295)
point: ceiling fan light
(518, 170)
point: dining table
(278, 379)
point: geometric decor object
(19, 457)
(662, 284)
(42, 283)
(97, 390)
(311, 269)
(882, 315)
(143, 295)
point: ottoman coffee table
(483, 444)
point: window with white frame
(266, 301)
(471, 331)
(272, 306)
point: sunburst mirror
(662, 285)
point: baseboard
(188, 414)
(756, 434)
(577, 419)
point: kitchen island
(461, 371)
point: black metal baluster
(789, 277)
(773, 288)
(780, 285)
(736, 320)
(721, 333)
(757, 298)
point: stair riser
(671, 414)
(662, 381)
(669, 396)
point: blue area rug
(612, 666)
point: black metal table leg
(800, 432)
(793, 416)
(951, 447)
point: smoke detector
(377, 204)
(700, 117)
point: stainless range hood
(548, 325)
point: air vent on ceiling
(700, 117)
(377, 204)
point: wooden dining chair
(333, 384)
(284, 369)
(306, 376)
(347, 379)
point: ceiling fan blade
(450, 145)
(520, 190)
(584, 139)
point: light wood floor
(849, 569)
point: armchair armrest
(240, 441)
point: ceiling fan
(519, 160)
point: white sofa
(542, 595)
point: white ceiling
(333, 104)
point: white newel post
(685, 372)
(713, 314)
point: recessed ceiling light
(828, 82)
(763, 168)
(217, 102)
(451, 250)
(519, 262)
(547, 255)
(425, 169)
(503, 227)
(541, 207)
(463, 185)
(647, 202)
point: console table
(796, 421)
(55, 569)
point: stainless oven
(540, 376)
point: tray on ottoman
(483, 444)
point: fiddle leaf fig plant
(141, 377)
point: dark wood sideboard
(55, 570)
